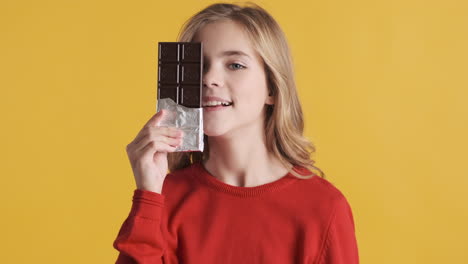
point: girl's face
(233, 72)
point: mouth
(213, 104)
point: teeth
(215, 103)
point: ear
(270, 100)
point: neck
(242, 159)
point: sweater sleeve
(140, 239)
(340, 245)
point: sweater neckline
(206, 177)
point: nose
(212, 77)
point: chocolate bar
(180, 66)
(180, 70)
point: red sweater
(199, 219)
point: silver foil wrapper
(189, 120)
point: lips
(206, 99)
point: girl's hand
(148, 153)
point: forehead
(221, 36)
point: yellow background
(383, 86)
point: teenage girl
(250, 196)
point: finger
(155, 131)
(158, 139)
(143, 131)
(148, 151)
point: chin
(215, 131)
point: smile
(216, 103)
(216, 107)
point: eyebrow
(234, 52)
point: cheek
(251, 87)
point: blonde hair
(284, 124)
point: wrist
(155, 188)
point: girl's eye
(236, 66)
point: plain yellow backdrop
(383, 86)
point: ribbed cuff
(147, 204)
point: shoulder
(338, 225)
(329, 189)
(322, 196)
(337, 206)
(334, 197)
(319, 188)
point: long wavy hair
(284, 124)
